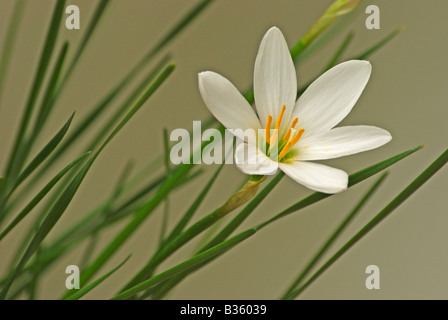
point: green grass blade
(141, 215)
(11, 36)
(395, 203)
(65, 198)
(122, 109)
(334, 236)
(175, 244)
(15, 161)
(180, 226)
(367, 53)
(186, 265)
(105, 210)
(354, 179)
(90, 224)
(143, 212)
(166, 209)
(88, 34)
(193, 13)
(82, 292)
(96, 18)
(347, 40)
(175, 30)
(43, 154)
(85, 228)
(42, 193)
(45, 108)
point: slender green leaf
(42, 193)
(8, 45)
(65, 198)
(16, 161)
(367, 53)
(180, 226)
(96, 18)
(76, 234)
(100, 9)
(339, 52)
(45, 108)
(105, 211)
(174, 31)
(118, 114)
(43, 154)
(166, 208)
(142, 213)
(334, 236)
(186, 265)
(239, 198)
(395, 203)
(82, 292)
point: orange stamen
(268, 128)
(285, 149)
(290, 143)
(297, 136)
(280, 116)
(288, 134)
(273, 139)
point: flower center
(287, 137)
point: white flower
(305, 127)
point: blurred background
(406, 95)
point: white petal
(226, 103)
(250, 160)
(316, 176)
(332, 96)
(275, 82)
(342, 141)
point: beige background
(406, 95)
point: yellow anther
(285, 149)
(297, 136)
(288, 134)
(268, 128)
(290, 143)
(280, 116)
